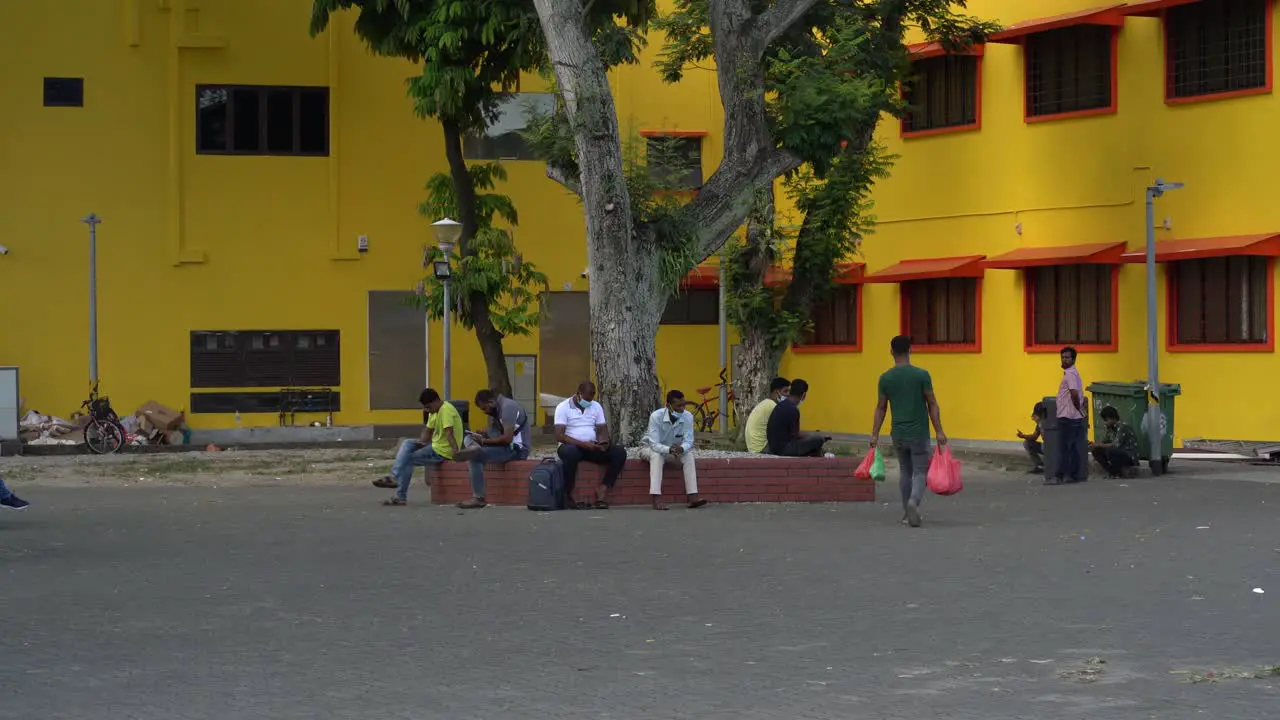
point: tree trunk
(626, 296)
(759, 351)
(495, 358)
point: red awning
(929, 269)
(1264, 244)
(1093, 253)
(708, 276)
(1151, 8)
(1014, 34)
(925, 50)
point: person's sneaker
(913, 515)
(13, 502)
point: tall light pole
(447, 234)
(724, 337)
(1154, 414)
(93, 221)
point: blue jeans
(1072, 448)
(913, 469)
(410, 455)
(5, 492)
(492, 455)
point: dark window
(502, 139)
(693, 307)
(1070, 305)
(1216, 46)
(1069, 70)
(835, 320)
(942, 312)
(258, 120)
(675, 163)
(265, 358)
(63, 92)
(286, 402)
(1220, 300)
(942, 93)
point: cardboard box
(159, 417)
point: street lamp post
(1154, 414)
(447, 232)
(93, 221)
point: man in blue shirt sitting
(670, 438)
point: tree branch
(565, 179)
(725, 201)
(778, 19)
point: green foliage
(492, 266)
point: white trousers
(657, 460)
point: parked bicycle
(707, 412)
(103, 434)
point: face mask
(674, 415)
(584, 404)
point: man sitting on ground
(1031, 443)
(507, 440)
(783, 429)
(670, 438)
(583, 434)
(758, 421)
(1118, 450)
(440, 439)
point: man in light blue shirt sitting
(670, 439)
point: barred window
(942, 93)
(1069, 70)
(264, 358)
(835, 320)
(1070, 305)
(1220, 301)
(1216, 46)
(941, 312)
(695, 306)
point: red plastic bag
(944, 473)
(864, 468)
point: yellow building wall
(218, 242)
(1066, 182)
(207, 242)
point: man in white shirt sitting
(670, 438)
(583, 434)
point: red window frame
(1029, 317)
(1113, 61)
(1266, 89)
(904, 297)
(931, 51)
(1172, 342)
(856, 347)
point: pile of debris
(40, 429)
(151, 424)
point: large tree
(635, 261)
(805, 69)
(468, 52)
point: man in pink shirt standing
(1071, 409)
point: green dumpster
(1130, 399)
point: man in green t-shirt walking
(908, 390)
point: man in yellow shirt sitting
(441, 438)
(758, 420)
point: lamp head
(447, 233)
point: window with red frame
(1069, 70)
(835, 320)
(1070, 305)
(942, 312)
(1220, 301)
(942, 93)
(1216, 46)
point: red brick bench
(762, 479)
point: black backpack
(546, 486)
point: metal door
(397, 351)
(523, 371)
(564, 343)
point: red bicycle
(707, 411)
(103, 434)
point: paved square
(176, 602)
